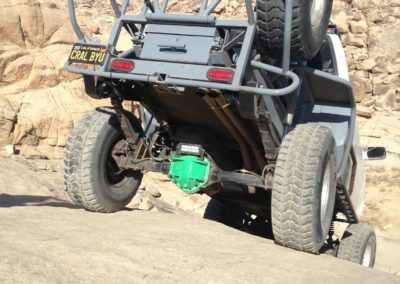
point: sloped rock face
(34, 39)
(40, 102)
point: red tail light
(122, 65)
(221, 75)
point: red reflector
(224, 75)
(122, 65)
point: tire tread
(78, 159)
(294, 183)
(271, 24)
(353, 243)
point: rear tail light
(122, 65)
(220, 75)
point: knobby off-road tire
(310, 21)
(358, 245)
(304, 188)
(92, 178)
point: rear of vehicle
(257, 113)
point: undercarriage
(229, 109)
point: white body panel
(357, 196)
(358, 192)
(343, 71)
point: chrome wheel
(367, 257)
(316, 11)
(358, 244)
(326, 188)
(115, 176)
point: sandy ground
(382, 198)
(382, 210)
(45, 238)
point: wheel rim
(326, 186)
(316, 11)
(115, 177)
(367, 257)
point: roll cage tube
(203, 17)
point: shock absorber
(331, 232)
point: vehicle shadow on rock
(239, 218)
(7, 200)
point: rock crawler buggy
(258, 113)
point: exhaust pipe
(228, 125)
(223, 104)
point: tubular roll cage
(203, 18)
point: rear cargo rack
(158, 15)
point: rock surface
(72, 245)
(45, 238)
(40, 102)
(370, 32)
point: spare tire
(310, 21)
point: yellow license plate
(88, 54)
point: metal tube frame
(74, 23)
(114, 5)
(203, 18)
(211, 7)
(244, 61)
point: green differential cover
(189, 173)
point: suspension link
(132, 137)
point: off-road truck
(257, 113)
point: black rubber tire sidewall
(109, 196)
